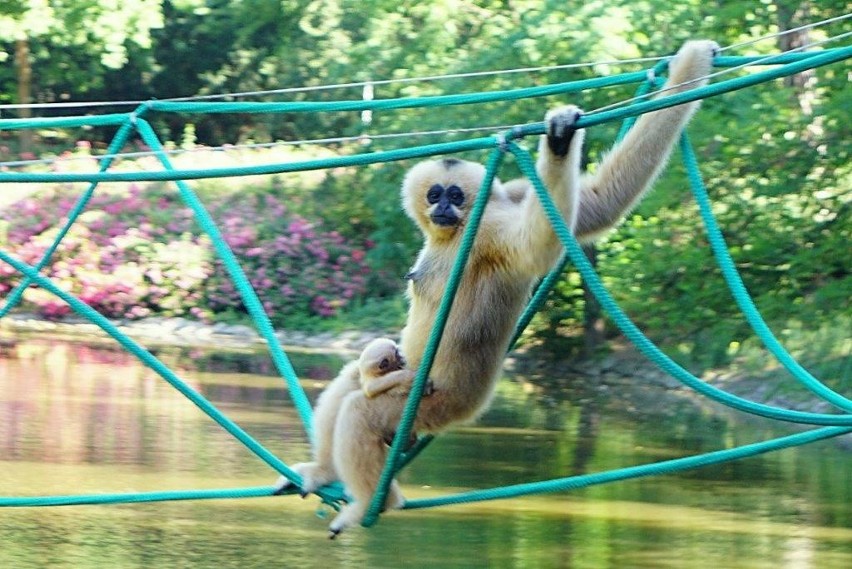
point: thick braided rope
(635, 335)
(115, 146)
(160, 368)
(738, 288)
(630, 330)
(804, 61)
(654, 469)
(650, 351)
(247, 292)
(403, 431)
(546, 285)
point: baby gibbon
(515, 246)
(380, 368)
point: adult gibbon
(515, 246)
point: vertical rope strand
(407, 421)
(160, 368)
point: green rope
(64, 122)
(241, 282)
(403, 431)
(635, 335)
(114, 147)
(807, 61)
(654, 469)
(543, 289)
(738, 289)
(791, 63)
(135, 498)
(400, 103)
(155, 364)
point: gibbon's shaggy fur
(357, 449)
(515, 245)
(380, 368)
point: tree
(39, 29)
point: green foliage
(775, 157)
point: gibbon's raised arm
(632, 165)
(530, 233)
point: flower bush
(138, 252)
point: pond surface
(77, 418)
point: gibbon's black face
(445, 201)
(400, 360)
(393, 362)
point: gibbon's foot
(283, 483)
(395, 499)
(353, 513)
(313, 477)
(559, 123)
(350, 515)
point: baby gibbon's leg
(633, 164)
(320, 471)
(359, 456)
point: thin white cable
(362, 138)
(256, 146)
(85, 104)
(786, 32)
(424, 79)
(359, 84)
(725, 71)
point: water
(77, 418)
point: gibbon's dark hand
(560, 128)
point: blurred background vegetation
(775, 157)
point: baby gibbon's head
(379, 357)
(438, 194)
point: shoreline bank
(620, 365)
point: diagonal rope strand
(837, 424)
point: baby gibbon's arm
(378, 385)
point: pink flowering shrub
(294, 267)
(138, 253)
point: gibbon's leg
(394, 379)
(359, 457)
(321, 471)
(632, 165)
(351, 514)
(314, 475)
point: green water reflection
(83, 419)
